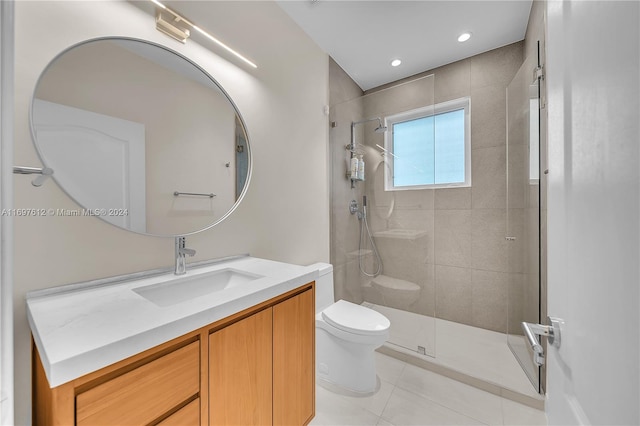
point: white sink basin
(190, 287)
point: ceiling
(363, 37)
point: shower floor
(472, 355)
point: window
(430, 147)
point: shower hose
(364, 226)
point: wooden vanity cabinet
(262, 368)
(256, 367)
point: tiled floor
(409, 395)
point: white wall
(593, 79)
(285, 214)
(6, 222)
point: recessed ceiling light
(396, 62)
(464, 37)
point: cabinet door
(145, 393)
(294, 360)
(189, 415)
(240, 372)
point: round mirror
(141, 137)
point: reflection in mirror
(125, 124)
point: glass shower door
(401, 222)
(523, 211)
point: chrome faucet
(181, 251)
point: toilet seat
(356, 319)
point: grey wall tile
(401, 258)
(415, 199)
(453, 199)
(517, 174)
(515, 314)
(452, 81)
(453, 294)
(488, 169)
(426, 303)
(489, 296)
(518, 255)
(488, 246)
(403, 97)
(488, 112)
(453, 237)
(496, 67)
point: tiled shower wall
(463, 271)
(346, 105)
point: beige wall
(462, 266)
(285, 214)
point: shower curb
(537, 403)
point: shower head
(380, 129)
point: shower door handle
(551, 332)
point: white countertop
(80, 331)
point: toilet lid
(355, 319)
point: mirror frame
(193, 63)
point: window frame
(423, 112)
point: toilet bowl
(396, 293)
(346, 338)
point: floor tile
(373, 403)
(518, 414)
(333, 410)
(472, 402)
(388, 368)
(406, 408)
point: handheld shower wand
(364, 227)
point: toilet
(346, 338)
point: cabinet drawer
(144, 394)
(189, 415)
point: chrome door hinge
(538, 73)
(550, 331)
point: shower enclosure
(398, 223)
(460, 265)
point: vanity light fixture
(172, 26)
(178, 29)
(464, 37)
(396, 62)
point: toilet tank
(324, 285)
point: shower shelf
(402, 234)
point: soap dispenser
(353, 167)
(360, 167)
